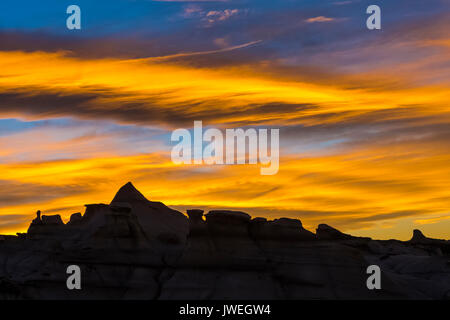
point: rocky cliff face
(137, 249)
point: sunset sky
(364, 115)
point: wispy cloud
(320, 19)
(191, 54)
(432, 220)
(221, 15)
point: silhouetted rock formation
(136, 248)
(419, 238)
(75, 219)
(49, 220)
(154, 217)
(128, 193)
(437, 245)
(283, 229)
(325, 232)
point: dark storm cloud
(91, 105)
(22, 193)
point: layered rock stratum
(134, 248)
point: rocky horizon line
(134, 248)
(323, 231)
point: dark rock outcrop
(283, 229)
(195, 214)
(419, 238)
(154, 217)
(325, 232)
(439, 246)
(75, 218)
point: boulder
(94, 211)
(75, 219)
(195, 214)
(227, 223)
(227, 217)
(197, 226)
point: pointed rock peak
(417, 232)
(128, 193)
(418, 235)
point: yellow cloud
(148, 91)
(353, 188)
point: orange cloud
(354, 190)
(43, 85)
(389, 176)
